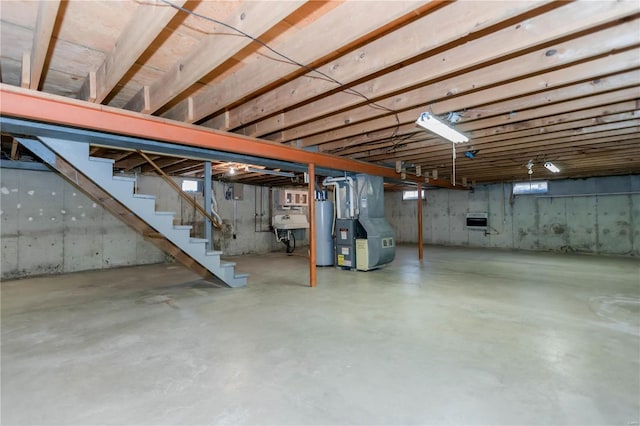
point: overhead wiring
(343, 87)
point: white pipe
(217, 216)
(328, 182)
(335, 182)
(214, 204)
(336, 195)
(352, 198)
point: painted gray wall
(49, 226)
(569, 218)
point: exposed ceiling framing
(532, 80)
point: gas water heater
(324, 230)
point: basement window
(412, 195)
(191, 185)
(523, 188)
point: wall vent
(478, 221)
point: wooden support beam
(439, 153)
(15, 145)
(130, 162)
(46, 20)
(311, 187)
(345, 25)
(124, 155)
(252, 17)
(146, 24)
(163, 163)
(476, 101)
(182, 167)
(486, 50)
(439, 28)
(570, 168)
(20, 103)
(574, 145)
(565, 128)
(89, 89)
(25, 74)
(466, 86)
(622, 149)
(536, 118)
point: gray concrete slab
(469, 336)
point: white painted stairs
(100, 171)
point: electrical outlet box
(237, 191)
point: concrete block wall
(577, 215)
(49, 226)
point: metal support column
(312, 224)
(420, 243)
(207, 204)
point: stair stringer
(100, 171)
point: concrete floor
(469, 336)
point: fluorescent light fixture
(269, 172)
(430, 122)
(232, 170)
(551, 167)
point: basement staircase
(116, 194)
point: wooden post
(312, 225)
(420, 248)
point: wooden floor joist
(344, 78)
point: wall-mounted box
(478, 221)
(237, 191)
(293, 197)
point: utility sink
(290, 221)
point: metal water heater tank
(324, 238)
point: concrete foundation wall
(581, 215)
(49, 226)
(250, 237)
